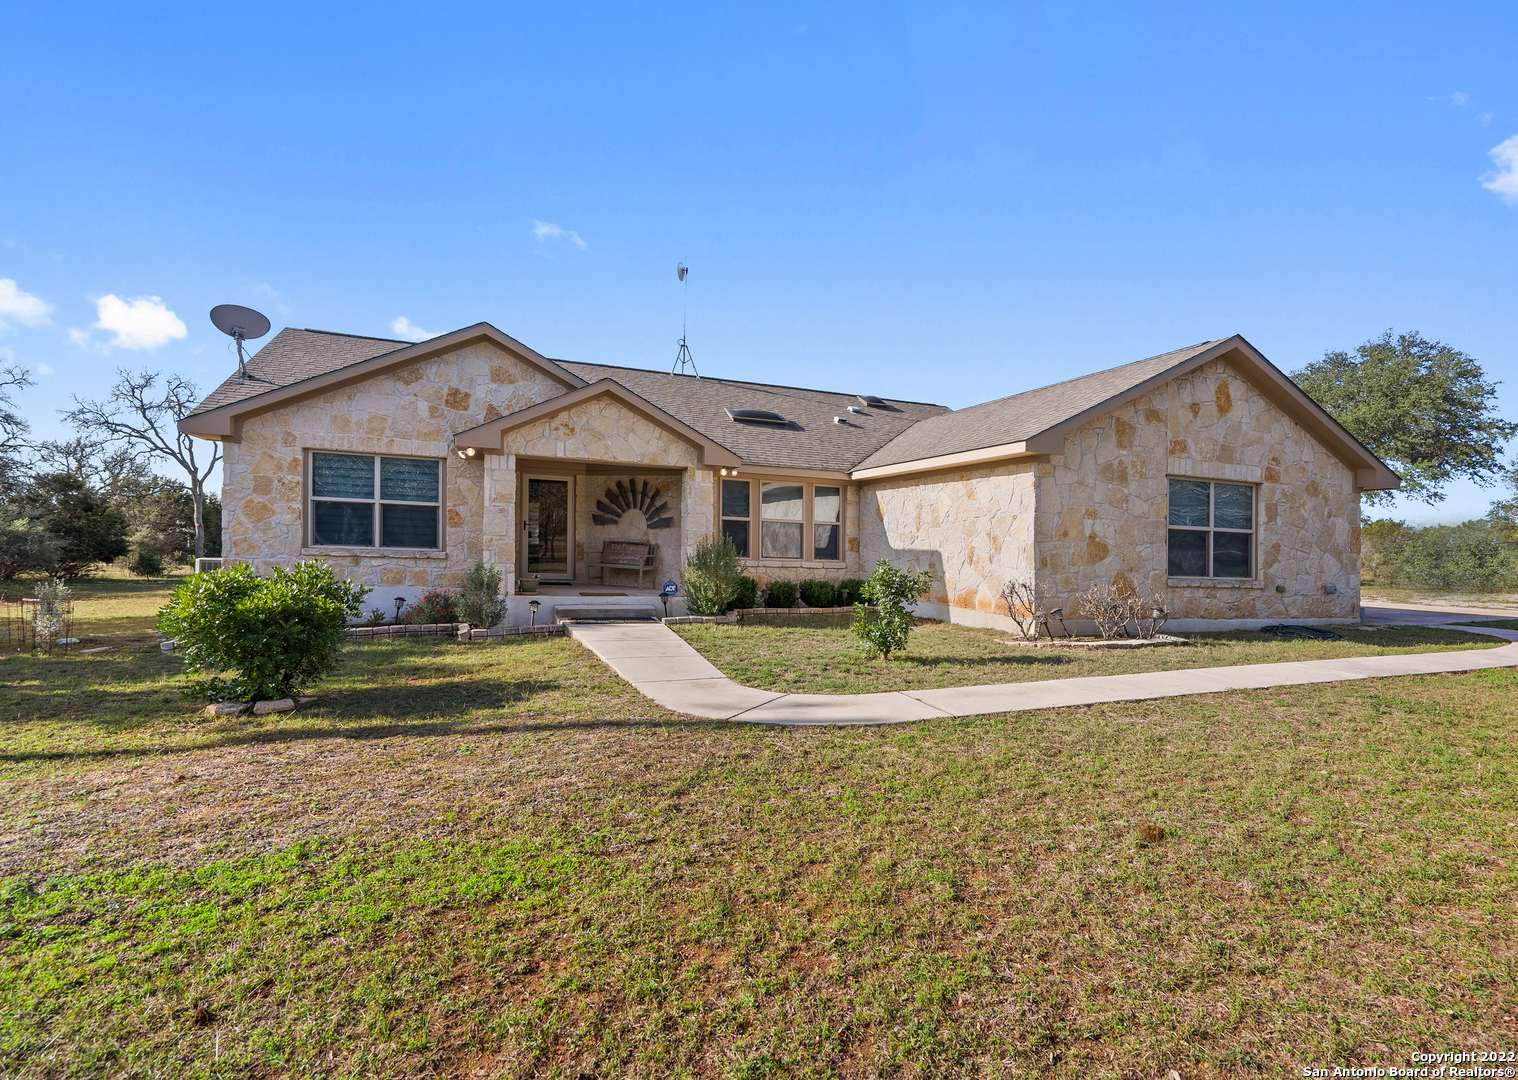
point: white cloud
(44, 369)
(401, 327)
(547, 230)
(1459, 99)
(143, 323)
(1504, 179)
(22, 307)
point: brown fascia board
(224, 424)
(1371, 473)
(488, 437)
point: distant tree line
(67, 506)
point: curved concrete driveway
(662, 666)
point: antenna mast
(683, 357)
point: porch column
(698, 509)
(499, 529)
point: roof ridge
(339, 333)
(742, 382)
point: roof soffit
(225, 421)
(489, 437)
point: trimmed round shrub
(434, 606)
(745, 594)
(244, 637)
(848, 591)
(817, 593)
(780, 594)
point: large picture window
(345, 511)
(1211, 529)
(783, 519)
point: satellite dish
(681, 270)
(240, 324)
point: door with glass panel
(547, 529)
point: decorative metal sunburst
(633, 495)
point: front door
(547, 534)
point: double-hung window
(1211, 529)
(788, 520)
(345, 511)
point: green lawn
(501, 861)
(819, 654)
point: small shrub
(480, 600)
(817, 593)
(781, 594)
(885, 629)
(275, 634)
(1022, 605)
(710, 576)
(746, 594)
(433, 606)
(376, 617)
(1110, 610)
(146, 563)
(848, 591)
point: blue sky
(938, 202)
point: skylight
(757, 416)
(872, 401)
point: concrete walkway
(662, 666)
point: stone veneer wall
(590, 537)
(1102, 505)
(972, 529)
(411, 411)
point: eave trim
(489, 437)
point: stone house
(1204, 475)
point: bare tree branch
(140, 415)
(13, 428)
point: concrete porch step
(607, 613)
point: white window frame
(1211, 529)
(376, 531)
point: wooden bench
(625, 555)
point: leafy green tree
(711, 576)
(1424, 408)
(885, 629)
(275, 635)
(87, 528)
(25, 548)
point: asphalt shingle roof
(810, 439)
(292, 356)
(1021, 416)
(906, 431)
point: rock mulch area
(1158, 640)
(257, 708)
